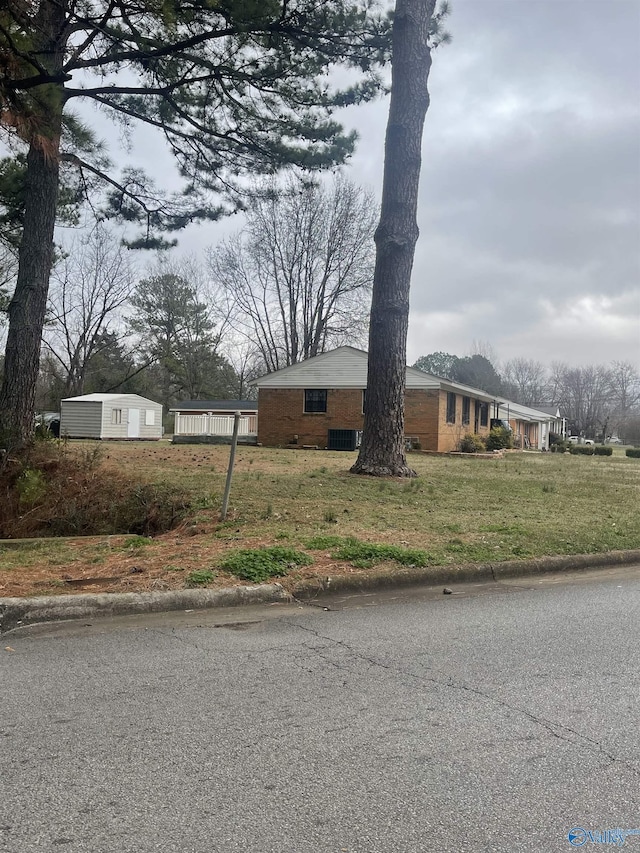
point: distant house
(320, 402)
(124, 416)
(215, 418)
(557, 423)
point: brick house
(299, 405)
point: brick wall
(281, 417)
(449, 435)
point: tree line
(235, 89)
(294, 282)
(598, 401)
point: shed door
(133, 424)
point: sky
(529, 205)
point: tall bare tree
(89, 287)
(586, 398)
(525, 380)
(298, 277)
(416, 29)
(625, 387)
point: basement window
(451, 407)
(315, 400)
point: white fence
(211, 424)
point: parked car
(49, 421)
(577, 439)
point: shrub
(633, 452)
(70, 493)
(581, 449)
(559, 447)
(259, 564)
(601, 450)
(557, 443)
(471, 443)
(499, 438)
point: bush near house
(471, 443)
(499, 439)
(557, 443)
(633, 452)
(601, 450)
(582, 449)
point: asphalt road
(494, 719)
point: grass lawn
(459, 510)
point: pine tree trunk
(29, 302)
(28, 306)
(382, 452)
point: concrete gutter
(19, 612)
(435, 575)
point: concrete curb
(478, 572)
(19, 612)
(464, 573)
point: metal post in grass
(232, 457)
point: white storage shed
(127, 416)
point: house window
(364, 399)
(484, 413)
(451, 407)
(149, 417)
(315, 400)
(116, 416)
(466, 410)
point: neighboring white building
(125, 416)
(215, 417)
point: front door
(133, 424)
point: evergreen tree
(234, 87)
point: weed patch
(201, 577)
(259, 564)
(364, 555)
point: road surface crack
(555, 729)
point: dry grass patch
(459, 510)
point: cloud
(530, 194)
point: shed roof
(109, 398)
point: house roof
(523, 413)
(548, 408)
(346, 367)
(215, 406)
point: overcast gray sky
(530, 194)
(529, 205)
